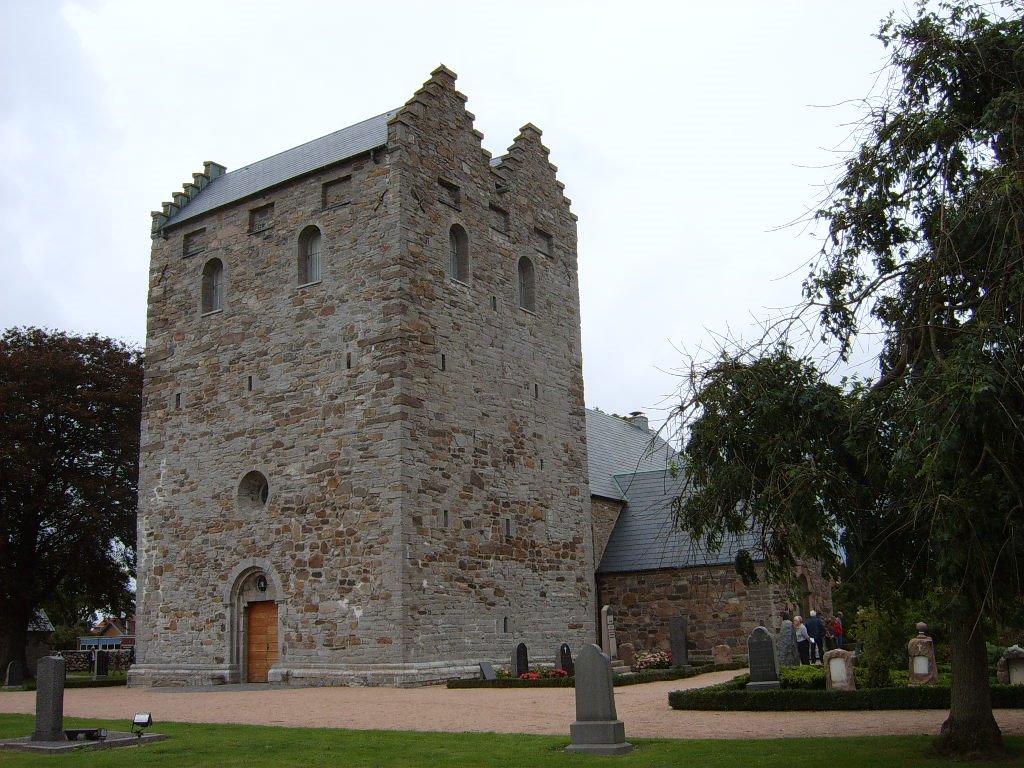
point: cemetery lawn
(255, 747)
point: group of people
(818, 635)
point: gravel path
(643, 708)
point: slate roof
(615, 446)
(646, 538)
(292, 163)
(632, 464)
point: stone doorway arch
(255, 626)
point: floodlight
(141, 721)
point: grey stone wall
(423, 438)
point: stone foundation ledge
(406, 675)
(181, 675)
(310, 675)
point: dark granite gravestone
(565, 659)
(15, 675)
(49, 699)
(487, 671)
(677, 641)
(520, 661)
(764, 672)
(597, 730)
(102, 664)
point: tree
(70, 413)
(918, 476)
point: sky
(694, 139)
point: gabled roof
(646, 537)
(637, 467)
(290, 164)
(615, 446)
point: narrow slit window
(213, 286)
(310, 244)
(458, 253)
(527, 295)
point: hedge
(729, 698)
(647, 676)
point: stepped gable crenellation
(190, 189)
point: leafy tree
(70, 412)
(918, 477)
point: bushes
(730, 696)
(647, 676)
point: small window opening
(442, 361)
(444, 518)
(526, 285)
(449, 193)
(249, 384)
(536, 391)
(310, 242)
(177, 400)
(261, 218)
(348, 361)
(494, 303)
(337, 192)
(194, 242)
(213, 286)
(504, 624)
(508, 526)
(253, 491)
(499, 219)
(458, 253)
(542, 242)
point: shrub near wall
(732, 697)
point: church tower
(364, 444)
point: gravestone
(608, 644)
(839, 671)
(627, 653)
(788, 654)
(597, 730)
(15, 675)
(49, 699)
(921, 651)
(1013, 661)
(487, 671)
(721, 654)
(764, 670)
(102, 664)
(520, 661)
(677, 641)
(564, 660)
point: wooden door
(261, 651)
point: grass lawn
(219, 746)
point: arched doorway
(253, 605)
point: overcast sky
(687, 134)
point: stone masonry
(393, 457)
(720, 609)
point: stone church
(365, 449)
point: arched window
(213, 286)
(458, 246)
(526, 284)
(309, 255)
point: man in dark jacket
(816, 629)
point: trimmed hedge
(729, 697)
(634, 678)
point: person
(816, 630)
(803, 640)
(830, 637)
(837, 629)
